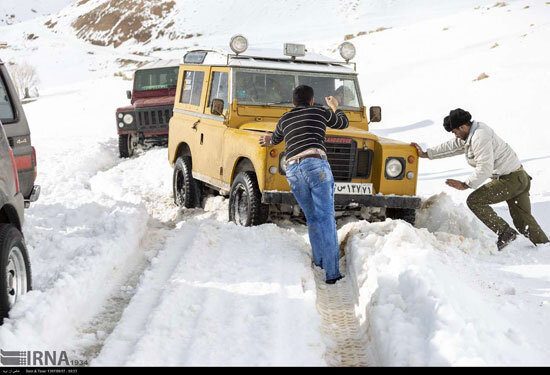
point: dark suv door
(17, 130)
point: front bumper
(347, 200)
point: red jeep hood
(154, 102)
(125, 109)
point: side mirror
(375, 114)
(129, 94)
(217, 107)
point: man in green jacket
(492, 158)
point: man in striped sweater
(308, 172)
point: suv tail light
(14, 168)
(35, 161)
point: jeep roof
(265, 58)
(160, 64)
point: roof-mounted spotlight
(294, 50)
(238, 44)
(347, 51)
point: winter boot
(505, 238)
(333, 281)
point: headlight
(238, 44)
(282, 163)
(394, 168)
(128, 119)
(347, 51)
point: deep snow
(121, 277)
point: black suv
(17, 190)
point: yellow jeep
(226, 100)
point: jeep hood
(154, 102)
(351, 131)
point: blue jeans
(312, 184)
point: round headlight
(120, 125)
(120, 115)
(128, 119)
(393, 168)
(410, 175)
(282, 163)
(347, 51)
(238, 44)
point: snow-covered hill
(123, 278)
(15, 11)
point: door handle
(195, 125)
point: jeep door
(17, 130)
(193, 125)
(213, 128)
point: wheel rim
(180, 188)
(241, 205)
(16, 275)
(130, 144)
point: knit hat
(447, 124)
(458, 117)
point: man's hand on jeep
(332, 103)
(421, 153)
(265, 140)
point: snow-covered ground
(121, 277)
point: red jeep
(145, 122)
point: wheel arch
(242, 164)
(183, 149)
(8, 215)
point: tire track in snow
(163, 219)
(251, 287)
(348, 342)
(340, 324)
(103, 324)
(152, 241)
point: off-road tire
(125, 145)
(10, 238)
(245, 201)
(406, 214)
(187, 190)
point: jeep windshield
(155, 79)
(274, 88)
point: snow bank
(421, 295)
(440, 215)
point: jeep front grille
(154, 119)
(341, 157)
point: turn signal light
(273, 153)
(411, 159)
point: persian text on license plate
(352, 188)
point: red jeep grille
(154, 119)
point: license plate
(352, 188)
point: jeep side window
(6, 109)
(192, 88)
(218, 88)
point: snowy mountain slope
(117, 266)
(15, 11)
